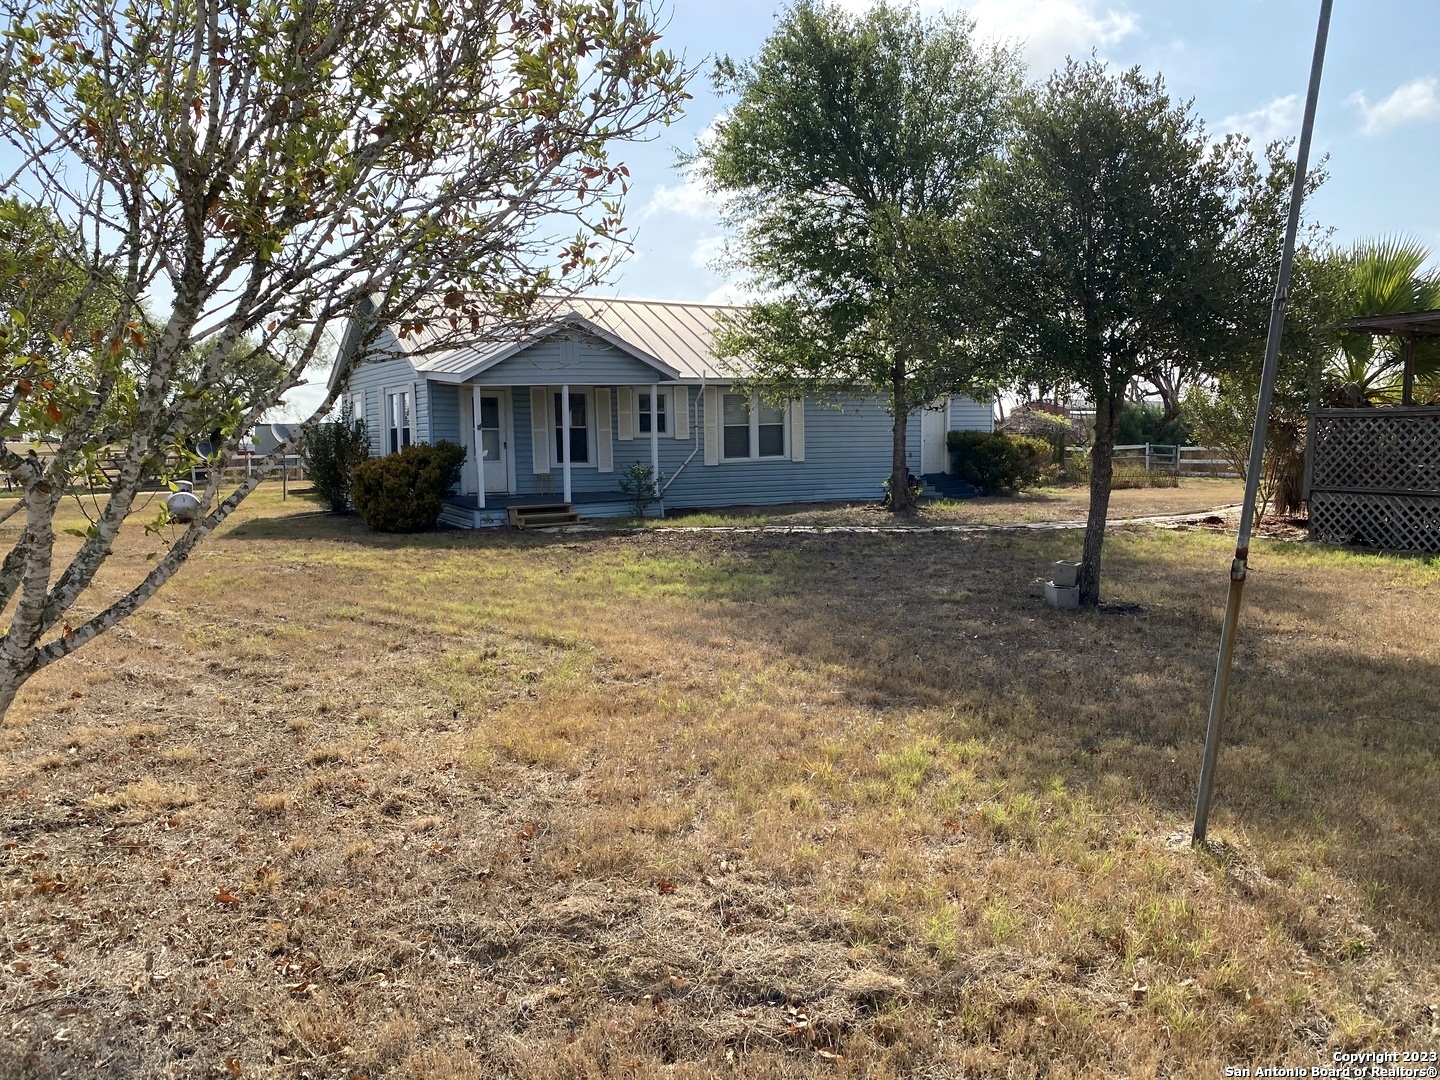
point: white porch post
(654, 434)
(565, 436)
(479, 443)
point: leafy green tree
(1223, 419)
(1100, 247)
(849, 158)
(1141, 422)
(43, 282)
(331, 451)
(255, 171)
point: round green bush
(405, 492)
(997, 463)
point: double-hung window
(642, 408)
(753, 428)
(579, 429)
(399, 419)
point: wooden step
(537, 517)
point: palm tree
(1383, 276)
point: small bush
(915, 484)
(1059, 431)
(997, 463)
(405, 492)
(331, 452)
(643, 487)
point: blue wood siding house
(641, 385)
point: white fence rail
(1164, 457)
(242, 467)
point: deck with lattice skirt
(1399, 522)
(1373, 477)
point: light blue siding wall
(969, 415)
(847, 456)
(444, 401)
(374, 379)
(559, 359)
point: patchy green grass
(680, 804)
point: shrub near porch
(673, 804)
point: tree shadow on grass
(1332, 739)
(321, 525)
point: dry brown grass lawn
(749, 805)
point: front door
(934, 457)
(492, 439)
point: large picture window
(754, 428)
(579, 429)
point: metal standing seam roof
(676, 334)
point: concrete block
(1062, 596)
(1066, 574)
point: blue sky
(1244, 62)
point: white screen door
(492, 440)
(934, 456)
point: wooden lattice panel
(1399, 522)
(1374, 477)
(1377, 450)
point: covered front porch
(559, 419)
(563, 444)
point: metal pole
(1240, 566)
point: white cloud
(728, 294)
(1415, 102)
(707, 250)
(736, 293)
(687, 198)
(1276, 119)
(1050, 30)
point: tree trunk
(11, 679)
(901, 501)
(1101, 472)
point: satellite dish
(281, 432)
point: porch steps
(945, 486)
(539, 516)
